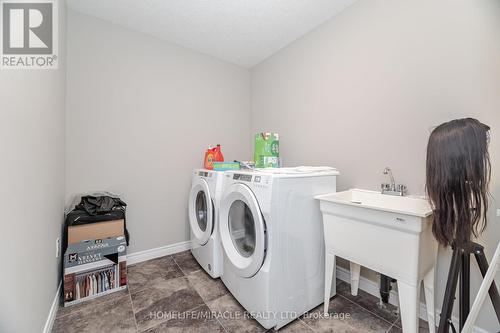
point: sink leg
(429, 299)
(330, 275)
(355, 271)
(409, 306)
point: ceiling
(243, 32)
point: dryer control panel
(243, 177)
(258, 181)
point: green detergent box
(223, 166)
(266, 150)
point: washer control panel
(205, 174)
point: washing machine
(272, 239)
(204, 200)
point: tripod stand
(460, 266)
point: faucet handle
(401, 188)
(385, 187)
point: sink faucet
(392, 188)
(388, 171)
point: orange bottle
(209, 158)
(218, 157)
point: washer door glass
(242, 228)
(201, 210)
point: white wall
(140, 113)
(31, 190)
(365, 89)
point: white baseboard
(372, 288)
(53, 311)
(136, 257)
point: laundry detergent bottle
(209, 158)
(213, 155)
(218, 157)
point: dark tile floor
(174, 294)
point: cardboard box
(96, 230)
(103, 260)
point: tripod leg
(429, 299)
(483, 267)
(409, 305)
(464, 292)
(481, 295)
(449, 294)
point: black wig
(457, 177)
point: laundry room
(250, 166)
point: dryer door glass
(242, 228)
(201, 210)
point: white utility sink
(388, 234)
(408, 205)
